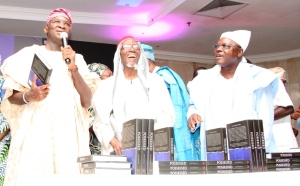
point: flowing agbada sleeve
(16, 79)
(91, 79)
(102, 103)
(282, 98)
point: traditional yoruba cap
(124, 38)
(97, 68)
(241, 37)
(60, 12)
(280, 72)
(148, 52)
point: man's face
(227, 52)
(55, 26)
(130, 52)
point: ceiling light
(220, 8)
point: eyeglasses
(127, 47)
(59, 22)
(225, 46)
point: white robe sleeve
(282, 98)
(102, 103)
(165, 109)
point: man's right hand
(193, 120)
(117, 146)
(296, 114)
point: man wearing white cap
(283, 105)
(185, 148)
(233, 90)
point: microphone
(64, 37)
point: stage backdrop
(92, 52)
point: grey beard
(130, 66)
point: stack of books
(228, 166)
(105, 164)
(246, 142)
(283, 161)
(203, 167)
(138, 143)
(181, 167)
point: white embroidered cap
(241, 37)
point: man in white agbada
(232, 90)
(283, 105)
(49, 123)
(132, 92)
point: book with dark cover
(258, 152)
(107, 171)
(182, 172)
(216, 144)
(150, 142)
(284, 169)
(131, 143)
(106, 164)
(92, 158)
(232, 167)
(145, 123)
(276, 155)
(164, 144)
(284, 160)
(262, 144)
(181, 163)
(274, 165)
(41, 68)
(228, 171)
(229, 162)
(201, 167)
(241, 145)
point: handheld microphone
(64, 37)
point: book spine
(228, 162)
(181, 163)
(212, 167)
(262, 144)
(144, 146)
(278, 155)
(171, 142)
(224, 143)
(284, 169)
(85, 159)
(150, 147)
(227, 171)
(88, 171)
(274, 165)
(182, 167)
(138, 147)
(184, 172)
(286, 160)
(257, 146)
(252, 145)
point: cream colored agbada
(49, 135)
